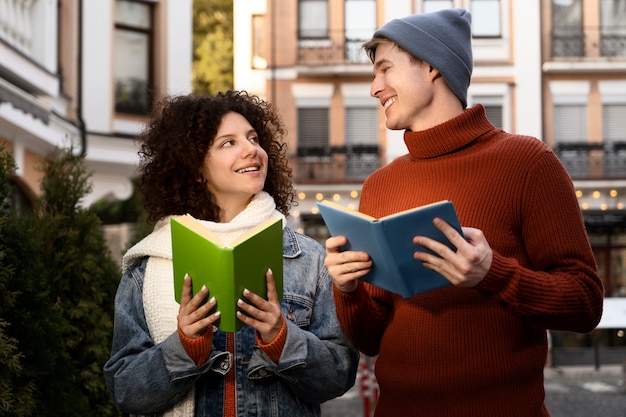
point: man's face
(403, 86)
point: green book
(389, 242)
(226, 270)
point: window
(360, 23)
(614, 133)
(132, 57)
(486, 19)
(313, 19)
(313, 131)
(567, 30)
(570, 123)
(361, 141)
(613, 93)
(259, 60)
(614, 122)
(493, 109)
(570, 131)
(434, 5)
(612, 18)
(313, 102)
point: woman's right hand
(193, 315)
(347, 267)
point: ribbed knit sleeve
(274, 348)
(362, 319)
(557, 287)
(198, 348)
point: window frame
(148, 33)
(303, 18)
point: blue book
(389, 242)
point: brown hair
(371, 46)
(177, 138)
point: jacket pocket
(297, 309)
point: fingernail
(186, 277)
(240, 302)
(270, 271)
(246, 291)
(212, 300)
(217, 314)
(203, 289)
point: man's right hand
(347, 267)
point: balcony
(28, 46)
(588, 42)
(336, 54)
(348, 163)
(593, 160)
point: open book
(389, 242)
(226, 270)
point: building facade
(84, 74)
(305, 57)
(584, 120)
(540, 69)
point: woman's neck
(229, 210)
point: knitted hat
(442, 38)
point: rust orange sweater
(480, 351)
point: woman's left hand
(262, 315)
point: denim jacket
(318, 362)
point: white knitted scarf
(160, 307)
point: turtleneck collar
(448, 136)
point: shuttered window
(493, 108)
(570, 126)
(361, 126)
(361, 142)
(614, 122)
(494, 114)
(614, 132)
(570, 123)
(313, 130)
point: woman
(222, 160)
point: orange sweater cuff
(198, 348)
(274, 348)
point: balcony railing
(16, 24)
(337, 163)
(337, 49)
(593, 160)
(606, 41)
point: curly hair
(177, 138)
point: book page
(347, 210)
(193, 224)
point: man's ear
(434, 72)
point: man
(523, 264)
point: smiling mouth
(248, 169)
(389, 102)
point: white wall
(179, 46)
(527, 58)
(97, 64)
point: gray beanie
(443, 39)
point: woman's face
(235, 165)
